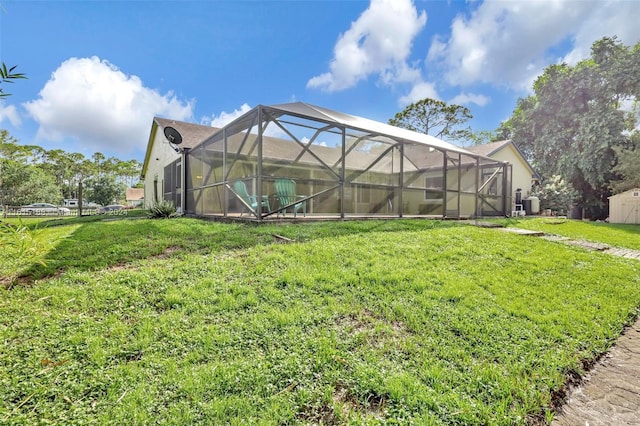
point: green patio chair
(286, 196)
(240, 189)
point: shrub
(162, 210)
(556, 194)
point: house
(625, 207)
(134, 197)
(160, 153)
(340, 165)
(522, 176)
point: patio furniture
(249, 201)
(287, 197)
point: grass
(187, 322)
(617, 235)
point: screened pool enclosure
(301, 161)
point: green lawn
(189, 322)
(618, 235)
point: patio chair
(240, 189)
(287, 197)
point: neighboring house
(522, 176)
(625, 207)
(341, 166)
(159, 154)
(134, 197)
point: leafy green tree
(98, 159)
(57, 163)
(104, 190)
(7, 75)
(435, 118)
(628, 165)
(69, 172)
(575, 121)
(484, 136)
(26, 184)
(11, 150)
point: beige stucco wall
(521, 173)
(625, 207)
(161, 155)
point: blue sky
(100, 70)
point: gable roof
(192, 134)
(489, 149)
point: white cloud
(379, 42)
(470, 98)
(510, 43)
(10, 113)
(619, 18)
(225, 118)
(93, 102)
(418, 92)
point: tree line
(579, 129)
(29, 174)
(581, 123)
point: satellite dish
(172, 135)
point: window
(492, 187)
(434, 182)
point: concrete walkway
(610, 393)
(589, 245)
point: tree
(25, 184)
(7, 76)
(435, 118)
(628, 165)
(574, 124)
(127, 171)
(68, 171)
(57, 163)
(484, 136)
(98, 159)
(104, 190)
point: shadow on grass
(99, 245)
(629, 228)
